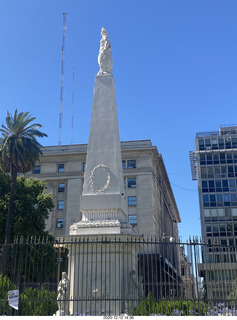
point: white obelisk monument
(102, 203)
(104, 255)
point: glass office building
(214, 165)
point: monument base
(101, 227)
(103, 273)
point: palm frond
(18, 144)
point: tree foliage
(19, 148)
(19, 151)
(32, 206)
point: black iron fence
(116, 275)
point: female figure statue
(105, 57)
(63, 295)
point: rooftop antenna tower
(62, 81)
(72, 104)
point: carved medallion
(100, 178)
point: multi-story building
(152, 209)
(214, 165)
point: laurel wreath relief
(93, 185)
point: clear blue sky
(175, 69)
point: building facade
(214, 165)
(152, 209)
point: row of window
(132, 201)
(126, 164)
(219, 185)
(219, 200)
(218, 258)
(128, 183)
(221, 230)
(217, 143)
(220, 212)
(221, 275)
(218, 172)
(37, 169)
(132, 219)
(217, 158)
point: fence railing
(116, 275)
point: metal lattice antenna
(72, 104)
(62, 81)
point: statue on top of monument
(105, 60)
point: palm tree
(19, 151)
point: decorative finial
(105, 60)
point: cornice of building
(82, 148)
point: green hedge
(33, 302)
(169, 307)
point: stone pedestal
(102, 270)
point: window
(36, 170)
(61, 205)
(221, 143)
(132, 219)
(211, 186)
(131, 164)
(210, 172)
(223, 242)
(213, 200)
(225, 185)
(183, 271)
(206, 200)
(61, 168)
(229, 158)
(59, 223)
(61, 187)
(216, 158)
(233, 198)
(202, 159)
(204, 186)
(230, 171)
(219, 199)
(132, 201)
(209, 158)
(217, 172)
(218, 186)
(124, 183)
(124, 164)
(203, 173)
(226, 200)
(222, 157)
(201, 144)
(84, 166)
(132, 183)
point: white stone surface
(104, 142)
(103, 196)
(108, 270)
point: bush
(38, 302)
(169, 307)
(5, 286)
(33, 302)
